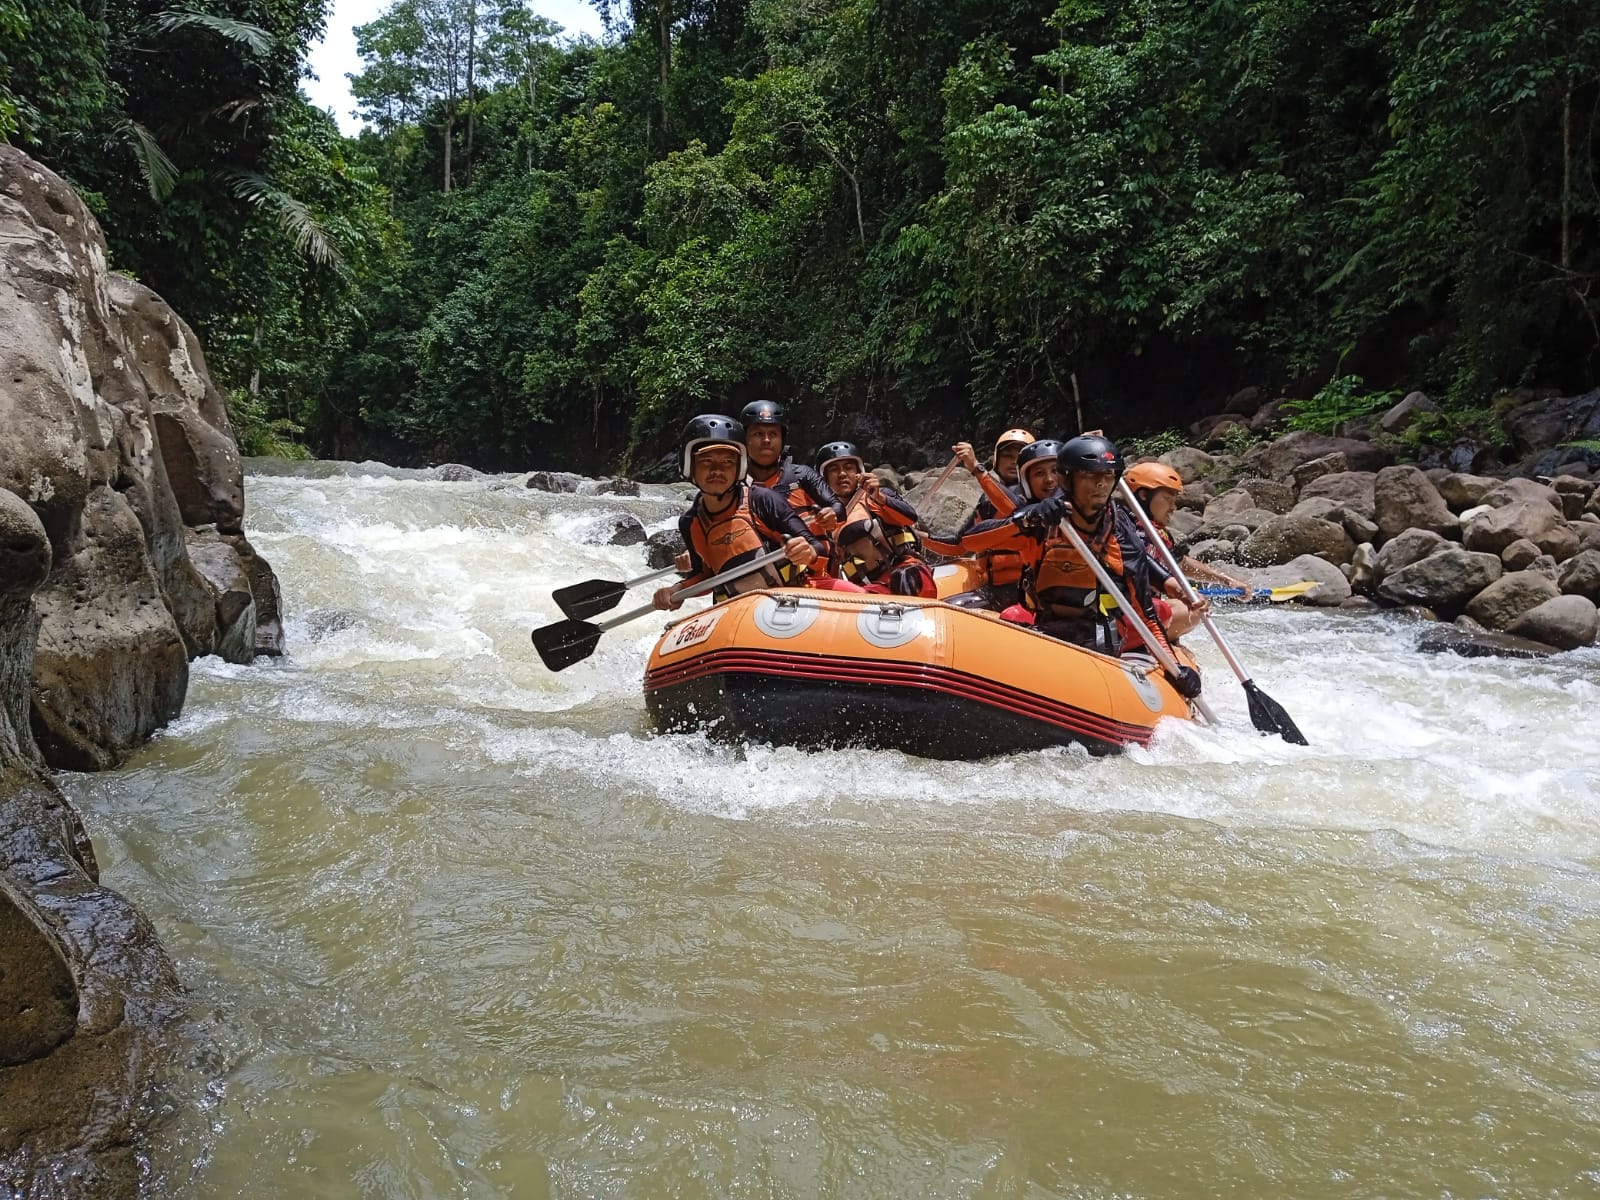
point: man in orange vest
(1060, 586)
(732, 521)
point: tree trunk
(255, 362)
(449, 141)
(472, 95)
(664, 15)
(1566, 180)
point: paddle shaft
(697, 589)
(944, 477)
(1161, 653)
(1170, 561)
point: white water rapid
(455, 926)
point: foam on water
(404, 594)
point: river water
(454, 926)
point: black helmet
(1031, 453)
(766, 412)
(712, 429)
(1090, 452)
(834, 451)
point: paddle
(1161, 653)
(1266, 714)
(580, 601)
(1277, 595)
(944, 477)
(567, 642)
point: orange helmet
(1152, 476)
(1012, 437)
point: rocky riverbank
(122, 556)
(1506, 558)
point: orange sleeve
(999, 495)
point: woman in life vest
(1156, 486)
(1002, 546)
(877, 544)
(1060, 587)
(731, 521)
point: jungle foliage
(958, 212)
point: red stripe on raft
(923, 676)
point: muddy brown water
(457, 927)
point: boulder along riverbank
(123, 556)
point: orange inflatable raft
(802, 667)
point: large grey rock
(1190, 464)
(111, 667)
(1508, 597)
(117, 438)
(1236, 500)
(38, 996)
(1289, 537)
(1332, 588)
(1323, 508)
(1404, 498)
(1278, 459)
(1543, 424)
(94, 585)
(555, 481)
(1566, 622)
(1492, 530)
(220, 566)
(1451, 639)
(1403, 415)
(1329, 464)
(1269, 494)
(1444, 581)
(1354, 490)
(1516, 490)
(951, 505)
(1581, 576)
(1411, 546)
(1519, 555)
(662, 548)
(1462, 491)
(1360, 527)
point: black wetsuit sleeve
(898, 504)
(819, 489)
(773, 511)
(697, 566)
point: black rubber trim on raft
(924, 709)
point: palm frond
(297, 221)
(159, 172)
(255, 38)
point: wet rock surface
(122, 556)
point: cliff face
(122, 557)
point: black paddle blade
(580, 601)
(1267, 715)
(566, 642)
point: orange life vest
(737, 535)
(868, 546)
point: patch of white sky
(334, 58)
